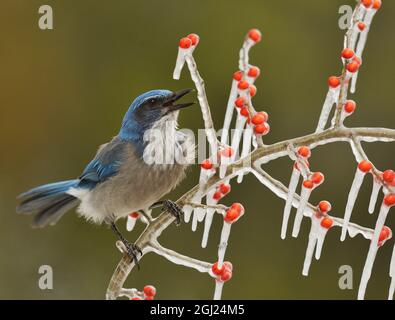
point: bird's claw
(172, 207)
(132, 250)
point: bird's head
(150, 108)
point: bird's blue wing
(105, 165)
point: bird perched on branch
(128, 174)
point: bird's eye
(152, 101)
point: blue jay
(118, 180)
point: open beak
(172, 106)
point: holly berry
(308, 184)
(244, 112)
(333, 82)
(325, 206)
(149, 291)
(254, 72)
(240, 102)
(194, 38)
(231, 216)
(253, 90)
(262, 129)
(226, 276)
(238, 207)
(217, 195)
(353, 66)
(376, 4)
(384, 233)
(225, 188)
(327, 222)
(206, 164)
(136, 298)
(243, 85)
(304, 152)
(185, 43)
(348, 53)
(238, 75)
(389, 200)
(134, 215)
(367, 3)
(350, 106)
(255, 35)
(318, 177)
(389, 176)
(259, 118)
(361, 26)
(227, 152)
(365, 166)
(224, 273)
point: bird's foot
(172, 207)
(133, 251)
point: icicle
(223, 243)
(218, 289)
(375, 192)
(352, 196)
(392, 275)
(304, 198)
(332, 97)
(240, 123)
(180, 62)
(247, 139)
(320, 242)
(187, 209)
(293, 183)
(311, 245)
(131, 222)
(229, 113)
(209, 217)
(374, 246)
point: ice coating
(247, 140)
(209, 217)
(229, 113)
(352, 197)
(304, 198)
(130, 223)
(374, 195)
(392, 275)
(293, 183)
(373, 248)
(218, 290)
(226, 227)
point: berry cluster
(148, 293)
(322, 213)
(235, 212)
(224, 273)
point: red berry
(384, 234)
(194, 38)
(206, 164)
(325, 206)
(185, 43)
(226, 275)
(217, 271)
(227, 152)
(348, 53)
(254, 72)
(361, 26)
(135, 298)
(238, 207)
(353, 66)
(149, 298)
(350, 106)
(244, 112)
(240, 102)
(225, 188)
(318, 178)
(262, 129)
(228, 265)
(304, 152)
(389, 200)
(253, 90)
(365, 166)
(243, 85)
(217, 195)
(388, 176)
(333, 82)
(255, 35)
(367, 3)
(327, 223)
(150, 291)
(308, 184)
(238, 75)
(376, 4)
(357, 60)
(134, 215)
(231, 215)
(259, 118)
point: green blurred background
(64, 92)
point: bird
(127, 174)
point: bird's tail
(48, 202)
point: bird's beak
(170, 103)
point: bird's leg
(172, 207)
(131, 248)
